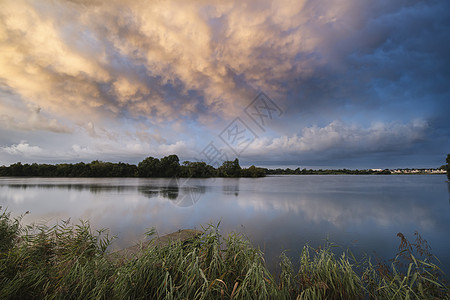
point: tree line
(448, 166)
(168, 166)
(305, 171)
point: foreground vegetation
(71, 262)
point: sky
(315, 84)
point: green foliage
(71, 262)
(63, 261)
(230, 169)
(448, 166)
(253, 171)
(149, 167)
(9, 231)
(16, 169)
(168, 166)
(323, 276)
(197, 169)
(94, 169)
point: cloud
(126, 149)
(114, 57)
(180, 147)
(24, 149)
(30, 119)
(112, 67)
(320, 208)
(340, 137)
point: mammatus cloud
(124, 75)
(167, 59)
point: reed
(69, 261)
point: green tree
(16, 169)
(47, 170)
(170, 166)
(230, 169)
(100, 168)
(80, 170)
(197, 169)
(448, 166)
(124, 170)
(149, 167)
(4, 171)
(253, 171)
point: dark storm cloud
(393, 60)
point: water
(277, 213)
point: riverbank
(69, 261)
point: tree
(149, 167)
(448, 166)
(16, 169)
(4, 171)
(230, 169)
(125, 170)
(197, 169)
(47, 170)
(80, 170)
(170, 166)
(100, 169)
(253, 171)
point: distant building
(418, 171)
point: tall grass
(71, 262)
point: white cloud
(180, 147)
(342, 137)
(23, 149)
(29, 118)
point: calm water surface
(277, 213)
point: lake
(277, 213)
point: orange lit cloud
(158, 76)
